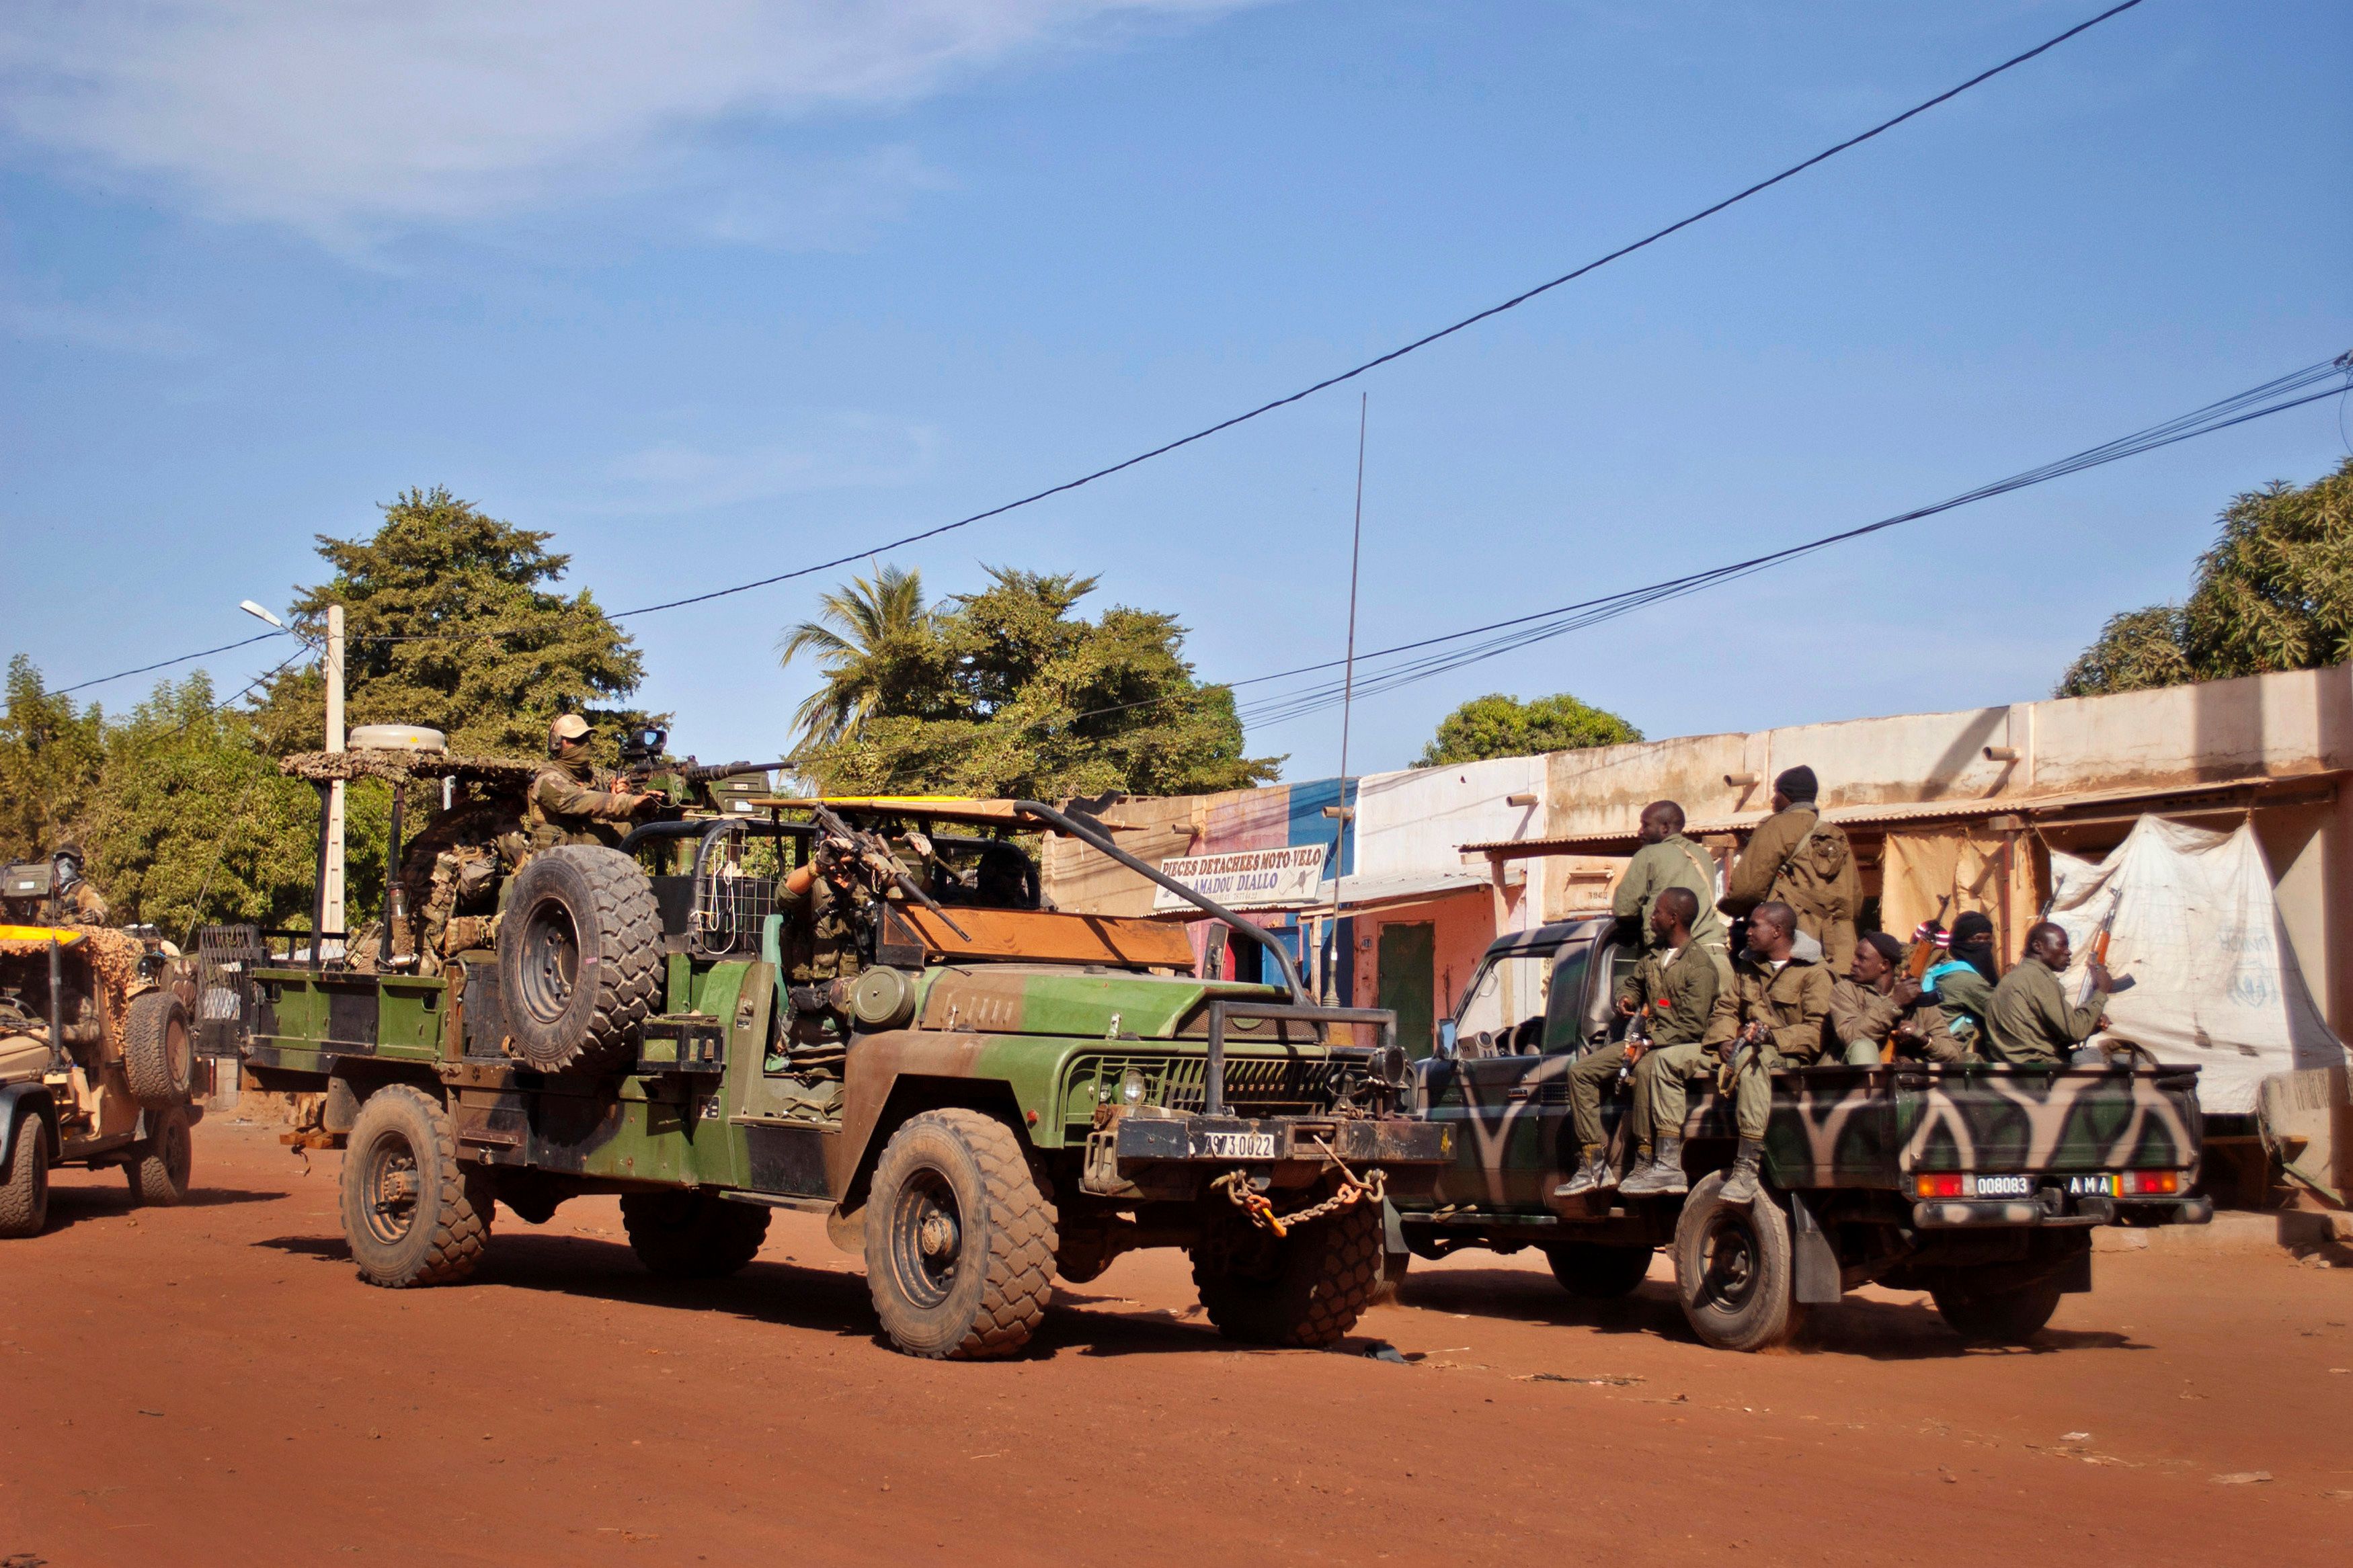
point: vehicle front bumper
(1176, 1157)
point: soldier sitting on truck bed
(2029, 1022)
(1877, 1013)
(1962, 984)
(573, 801)
(1673, 991)
(1772, 1018)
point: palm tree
(855, 624)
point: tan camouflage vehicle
(1978, 1183)
(97, 1065)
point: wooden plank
(1042, 936)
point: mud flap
(1392, 1232)
(2074, 1276)
(1815, 1274)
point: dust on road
(212, 1385)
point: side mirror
(1446, 1037)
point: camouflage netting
(113, 960)
(395, 766)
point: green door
(1409, 981)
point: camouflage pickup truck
(1978, 1184)
(1014, 1094)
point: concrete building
(1936, 804)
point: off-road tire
(25, 1194)
(1735, 1269)
(1593, 1272)
(159, 1173)
(159, 1050)
(2001, 1317)
(960, 1239)
(1306, 1291)
(684, 1235)
(579, 958)
(436, 1235)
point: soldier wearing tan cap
(573, 801)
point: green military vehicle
(1979, 1185)
(97, 1065)
(1016, 1094)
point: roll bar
(1095, 837)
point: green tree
(450, 620)
(859, 628)
(51, 755)
(2275, 592)
(1496, 725)
(1008, 692)
(193, 821)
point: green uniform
(576, 803)
(1796, 859)
(1863, 1020)
(1965, 997)
(1672, 862)
(2030, 1023)
(1793, 1002)
(1682, 985)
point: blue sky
(713, 290)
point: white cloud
(344, 119)
(848, 451)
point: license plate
(2005, 1186)
(2100, 1186)
(1235, 1145)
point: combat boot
(1594, 1175)
(1740, 1185)
(1662, 1177)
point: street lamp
(330, 879)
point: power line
(2275, 396)
(1396, 353)
(166, 664)
(865, 551)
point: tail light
(1948, 1185)
(2149, 1184)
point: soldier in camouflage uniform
(72, 900)
(1675, 987)
(573, 801)
(827, 913)
(1796, 859)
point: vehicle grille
(1255, 1086)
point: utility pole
(1329, 989)
(332, 667)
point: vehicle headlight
(1132, 1088)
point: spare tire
(579, 958)
(159, 1053)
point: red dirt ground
(212, 1385)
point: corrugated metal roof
(2037, 807)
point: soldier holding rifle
(1671, 996)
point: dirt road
(212, 1385)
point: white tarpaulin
(2215, 982)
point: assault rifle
(881, 867)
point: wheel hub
(937, 1236)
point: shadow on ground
(1858, 1325)
(785, 1295)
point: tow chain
(1353, 1189)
